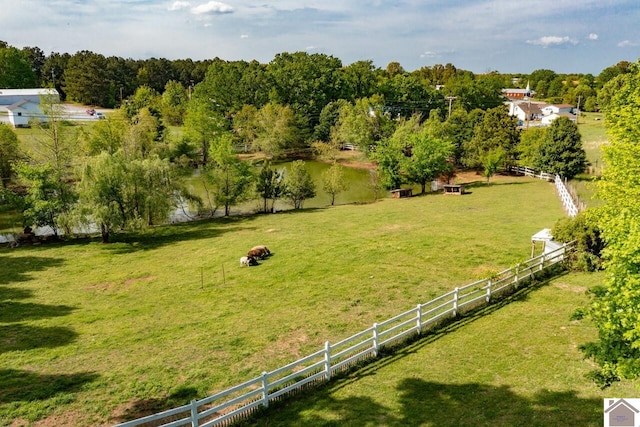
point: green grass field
(95, 334)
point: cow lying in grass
(259, 252)
(248, 261)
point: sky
(508, 36)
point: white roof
(543, 235)
(28, 92)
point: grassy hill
(93, 334)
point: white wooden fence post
(265, 389)
(455, 302)
(375, 340)
(489, 283)
(194, 414)
(327, 360)
(419, 318)
(515, 276)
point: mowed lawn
(94, 334)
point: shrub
(584, 231)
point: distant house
(525, 111)
(546, 120)
(557, 109)
(23, 105)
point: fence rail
(570, 200)
(239, 402)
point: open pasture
(96, 334)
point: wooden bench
(401, 193)
(456, 189)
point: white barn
(23, 105)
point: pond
(358, 182)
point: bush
(584, 231)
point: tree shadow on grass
(156, 237)
(18, 268)
(26, 386)
(18, 337)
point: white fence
(571, 204)
(239, 402)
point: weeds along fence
(568, 195)
(240, 402)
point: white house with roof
(525, 111)
(23, 105)
(557, 109)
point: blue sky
(509, 36)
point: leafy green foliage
(269, 185)
(583, 229)
(8, 153)
(15, 69)
(298, 184)
(333, 181)
(429, 159)
(232, 178)
(614, 311)
(561, 152)
(496, 130)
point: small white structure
(548, 244)
(23, 105)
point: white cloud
(428, 54)
(244, 36)
(547, 41)
(593, 36)
(211, 8)
(178, 5)
(627, 43)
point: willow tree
(118, 193)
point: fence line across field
(239, 402)
(570, 200)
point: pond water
(358, 182)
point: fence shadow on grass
(22, 386)
(143, 407)
(425, 403)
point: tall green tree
(529, 146)
(232, 177)
(298, 184)
(15, 69)
(614, 308)
(561, 152)
(497, 130)
(203, 124)
(306, 83)
(276, 130)
(269, 185)
(8, 153)
(430, 158)
(333, 181)
(174, 103)
(87, 80)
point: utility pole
(450, 98)
(578, 109)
